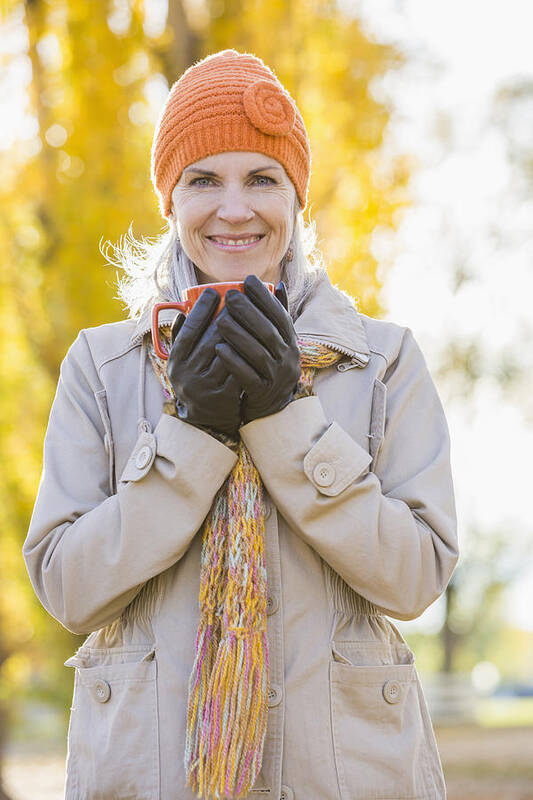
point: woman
(234, 527)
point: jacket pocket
(113, 735)
(379, 735)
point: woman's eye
(196, 181)
(264, 178)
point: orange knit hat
(228, 101)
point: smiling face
(235, 215)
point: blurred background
(420, 115)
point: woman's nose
(234, 208)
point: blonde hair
(157, 269)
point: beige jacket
(361, 526)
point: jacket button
(143, 457)
(274, 696)
(272, 604)
(286, 793)
(392, 691)
(101, 691)
(324, 474)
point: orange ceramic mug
(192, 293)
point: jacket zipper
(356, 359)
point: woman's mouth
(229, 243)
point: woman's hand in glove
(261, 347)
(207, 394)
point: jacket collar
(327, 316)
(330, 317)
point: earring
(289, 255)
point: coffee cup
(191, 294)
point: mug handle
(158, 347)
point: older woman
(234, 527)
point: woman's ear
(172, 221)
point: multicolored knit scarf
(229, 681)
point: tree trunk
(185, 47)
(448, 637)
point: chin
(234, 275)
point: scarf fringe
(227, 741)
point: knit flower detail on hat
(268, 108)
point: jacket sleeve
(88, 552)
(391, 534)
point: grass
(505, 712)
